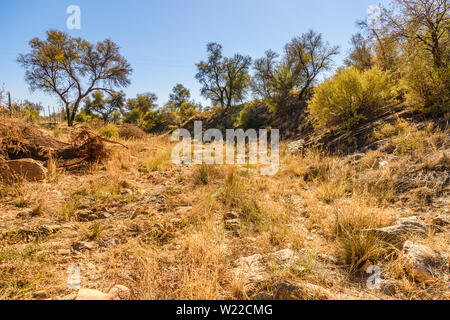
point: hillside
(225, 232)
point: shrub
(250, 116)
(350, 97)
(129, 131)
(427, 87)
(109, 131)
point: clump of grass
(68, 209)
(158, 162)
(109, 131)
(357, 246)
(202, 174)
(40, 208)
(235, 196)
(93, 232)
(58, 132)
(22, 203)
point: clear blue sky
(163, 39)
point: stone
(254, 270)
(119, 292)
(29, 169)
(288, 290)
(126, 191)
(91, 294)
(424, 263)
(296, 146)
(441, 220)
(64, 252)
(388, 287)
(85, 215)
(233, 225)
(401, 230)
(81, 246)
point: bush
(109, 131)
(129, 131)
(427, 87)
(350, 97)
(250, 116)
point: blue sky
(163, 39)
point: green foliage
(427, 87)
(109, 131)
(249, 116)
(350, 97)
(85, 116)
(107, 108)
(62, 65)
(224, 80)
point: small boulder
(288, 290)
(117, 292)
(91, 294)
(296, 146)
(29, 169)
(401, 230)
(253, 270)
(424, 263)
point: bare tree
(263, 81)
(308, 56)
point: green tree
(106, 108)
(263, 80)
(361, 54)
(179, 95)
(72, 68)
(350, 97)
(306, 57)
(224, 80)
(140, 108)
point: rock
(254, 270)
(91, 294)
(233, 225)
(401, 230)
(442, 220)
(40, 295)
(119, 292)
(26, 214)
(104, 215)
(250, 269)
(81, 246)
(29, 169)
(231, 215)
(311, 173)
(126, 191)
(424, 263)
(388, 287)
(64, 252)
(184, 210)
(296, 146)
(288, 290)
(85, 215)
